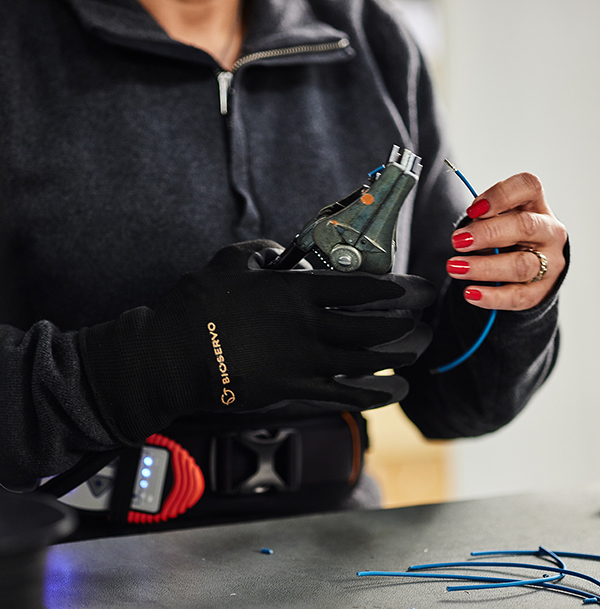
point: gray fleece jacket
(126, 161)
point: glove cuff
(139, 385)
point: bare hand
(513, 216)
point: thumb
(238, 254)
(383, 390)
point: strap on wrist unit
(270, 469)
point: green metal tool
(358, 233)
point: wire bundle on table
(548, 580)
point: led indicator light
(146, 472)
(148, 461)
(144, 483)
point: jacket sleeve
(491, 387)
(47, 418)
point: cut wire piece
(488, 326)
(546, 582)
(541, 552)
(451, 565)
(537, 553)
(498, 582)
(589, 598)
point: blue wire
(506, 564)
(467, 184)
(508, 584)
(588, 597)
(376, 171)
(467, 354)
(552, 555)
(498, 582)
(541, 552)
(432, 576)
(536, 553)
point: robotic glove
(235, 337)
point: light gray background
(520, 80)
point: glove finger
(334, 289)
(237, 255)
(260, 260)
(360, 362)
(364, 291)
(352, 393)
(419, 293)
(364, 329)
(380, 390)
(416, 342)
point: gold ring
(543, 265)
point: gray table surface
(315, 558)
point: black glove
(236, 338)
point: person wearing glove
(139, 139)
(235, 338)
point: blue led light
(148, 461)
(146, 472)
(144, 483)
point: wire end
(452, 167)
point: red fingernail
(471, 294)
(457, 267)
(478, 209)
(462, 240)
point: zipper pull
(224, 79)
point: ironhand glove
(237, 338)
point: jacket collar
(272, 24)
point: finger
(523, 190)
(416, 342)
(419, 294)
(511, 267)
(525, 228)
(509, 297)
(333, 289)
(261, 260)
(362, 329)
(238, 254)
(380, 390)
(350, 392)
(359, 362)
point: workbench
(315, 558)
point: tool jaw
(358, 233)
(362, 235)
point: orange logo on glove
(228, 396)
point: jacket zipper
(225, 77)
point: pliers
(358, 232)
